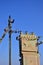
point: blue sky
(28, 15)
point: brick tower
(28, 49)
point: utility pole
(10, 31)
(10, 21)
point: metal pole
(9, 48)
(9, 26)
(10, 21)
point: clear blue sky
(28, 15)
